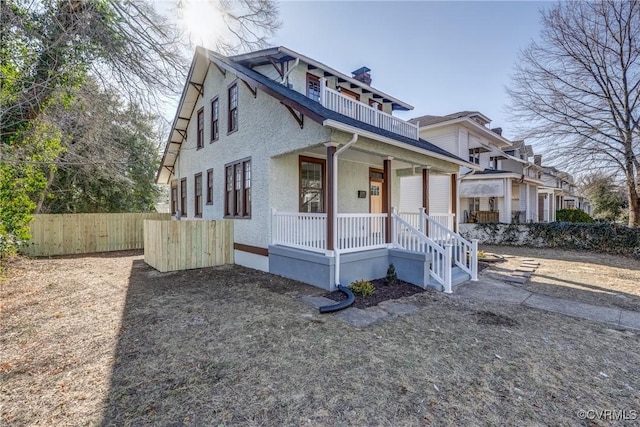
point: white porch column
(527, 214)
(506, 215)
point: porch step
(458, 276)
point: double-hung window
(210, 186)
(233, 108)
(312, 179)
(237, 202)
(183, 197)
(198, 195)
(201, 128)
(215, 115)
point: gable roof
(431, 120)
(289, 97)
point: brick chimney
(497, 130)
(362, 74)
(537, 159)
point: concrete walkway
(491, 290)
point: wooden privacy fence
(66, 234)
(185, 244)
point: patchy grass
(106, 340)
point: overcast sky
(440, 57)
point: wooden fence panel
(186, 244)
(68, 234)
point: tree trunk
(634, 205)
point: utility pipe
(336, 244)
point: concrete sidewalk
(491, 290)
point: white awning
(482, 188)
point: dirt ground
(600, 279)
(106, 340)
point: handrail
(465, 252)
(410, 238)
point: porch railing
(335, 101)
(444, 219)
(409, 238)
(464, 252)
(300, 230)
(361, 231)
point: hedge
(598, 237)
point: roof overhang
(351, 129)
(281, 53)
(469, 123)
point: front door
(376, 179)
(376, 190)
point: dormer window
(313, 87)
(474, 155)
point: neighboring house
(558, 192)
(256, 139)
(504, 190)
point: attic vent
(363, 75)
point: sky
(440, 57)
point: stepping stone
(526, 269)
(521, 274)
(528, 260)
(531, 264)
(317, 302)
(361, 318)
(398, 308)
(517, 279)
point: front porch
(492, 201)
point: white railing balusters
(335, 101)
(410, 238)
(300, 230)
(361, 232)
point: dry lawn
(600, 279)
(107, 340)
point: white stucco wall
(265, 128)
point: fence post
(448, 249)
(474, 260)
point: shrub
(573, 215)
(362, 288)
(392, 276)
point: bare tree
(577, 90)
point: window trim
(314, 78)
(200, 129)
(230, 110)
(173, 197)
(210, 187)
(230, 205)
(215, 137)
(183, 197)
(197, 199)
(323, 162)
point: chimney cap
(497, 130)
(361, 70)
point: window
(201, 128)
(474, 204)
(198, 195)
(238, 189)
(312, 184)
(174, 197)
(474, 155)
(313, 87)
(233, 108)
(210, 186)
(215, 114)
(183, 197)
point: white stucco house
(505, 189)
(306, 161)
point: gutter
(346, 128)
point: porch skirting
(319, 270)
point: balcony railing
(335, 101)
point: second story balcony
(345, 105)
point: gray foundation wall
(319, 270)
